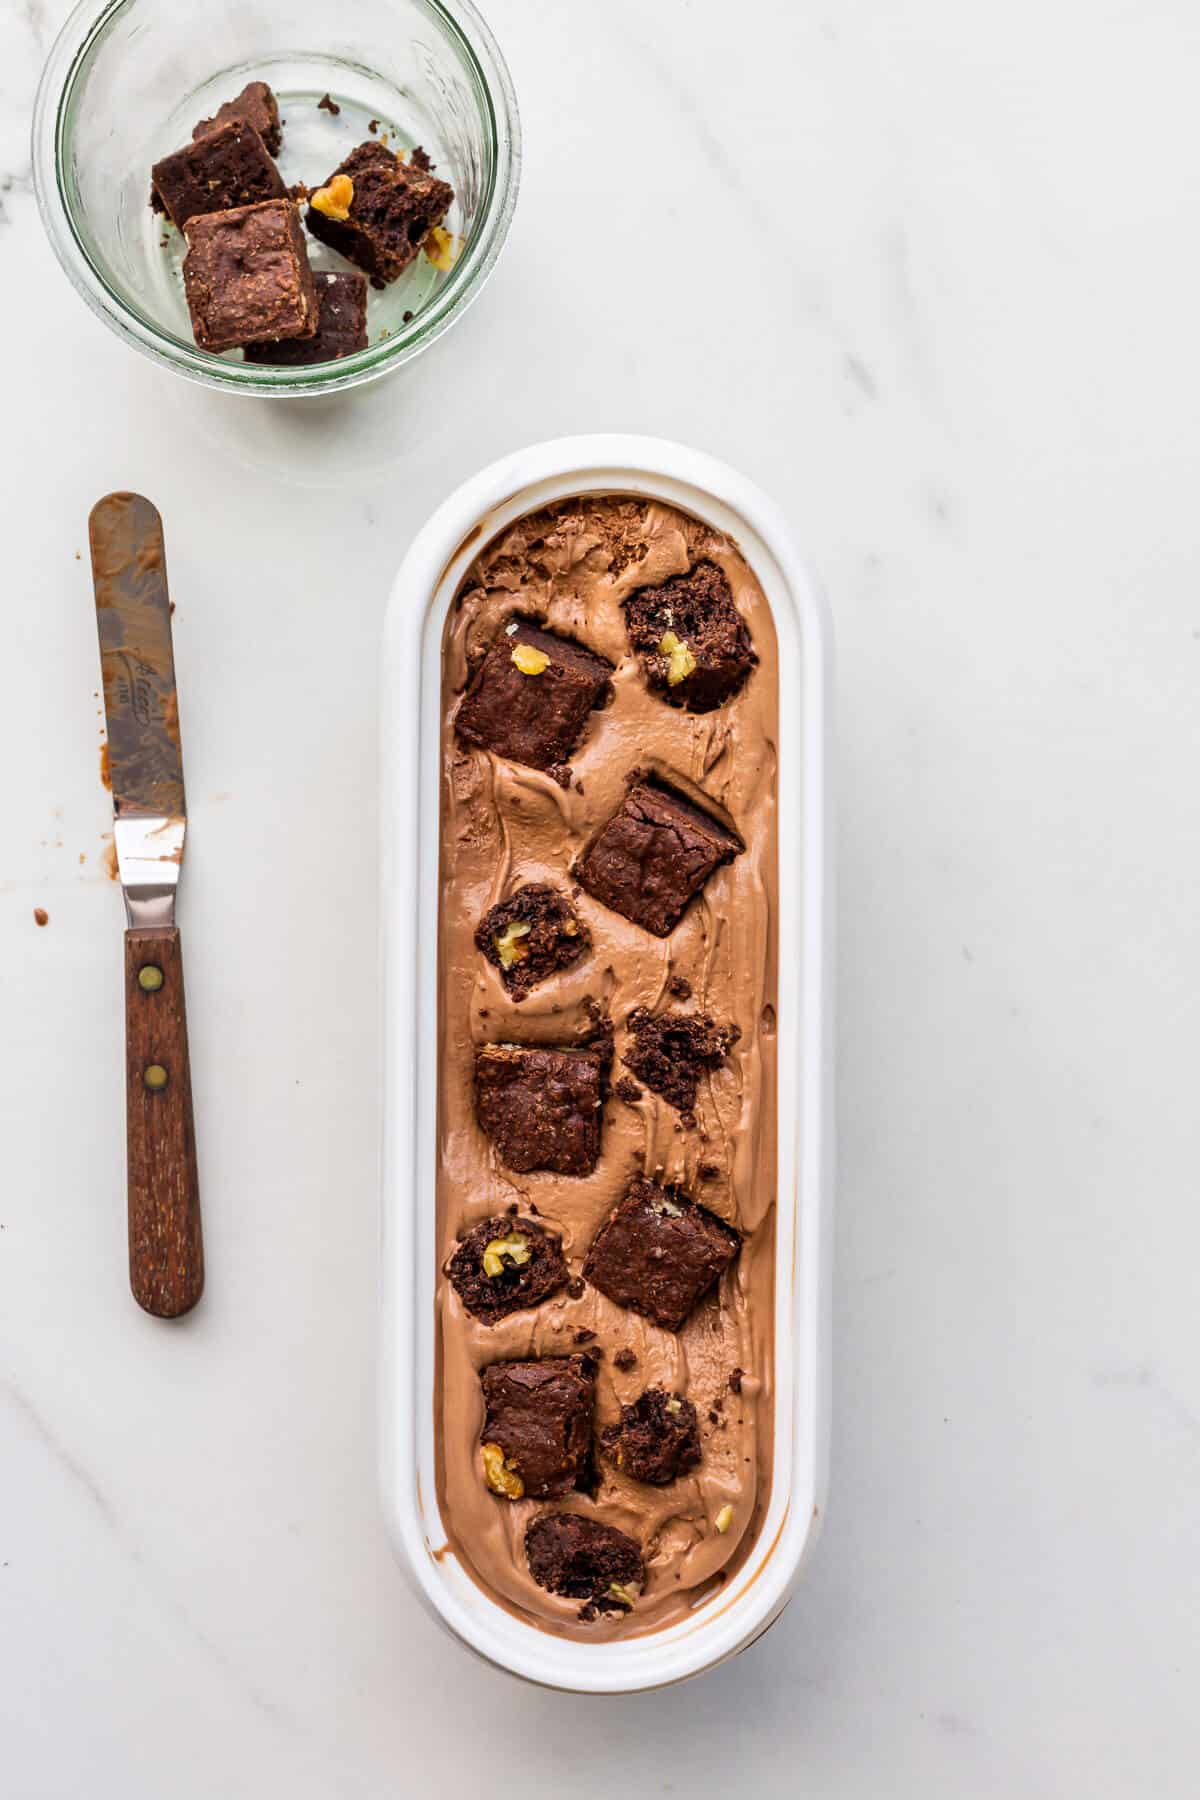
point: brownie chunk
(256, 106)
(584, 1559)
(227, 167)
(247, 277)
(530, 696)
(505, 1264)
(533, 934)
(669, 1051)
(341, 326)
(654, 854)
(542, 1107)
(539, 1414)
(658, 1253)
(394, 208)
(692, 640)
(657, 1439)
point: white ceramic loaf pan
(411, 725)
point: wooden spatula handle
(166, 1252)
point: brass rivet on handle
(150, 978)
(155, 1077)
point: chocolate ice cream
(678, 915)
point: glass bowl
(128, 79)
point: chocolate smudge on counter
(137, 658)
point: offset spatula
(133, 611)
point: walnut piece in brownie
(505, 1264)
(534, 933)
(394, 207)
(227, 167)
(341, 326)
(247, 277)
(658, 1253)
(655, 853)
(530, 697)
(657, 1439)
(538, 1415)
(542, 1107)
(256, 106)
(669, 1051)
(584, 1559)
(692, 640)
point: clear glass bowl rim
(461, 21)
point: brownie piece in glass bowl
(247, 277)
(657, 1438)
(377, 210)
(530, 697)
(654, 855)
(542, 1106)
(255, 106)
(694, 645)
(227, 167)
(537, 1428)
(341, 326)
(533, 934)
(659, 1253)
(505, 1264)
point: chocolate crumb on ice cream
(670, 1051)
(657, 1438)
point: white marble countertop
(929, 273)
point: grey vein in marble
(910, 321)
(66, 1461)
(860, 375)
(35, 18)
(103, 1507)
(1141, 1376)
